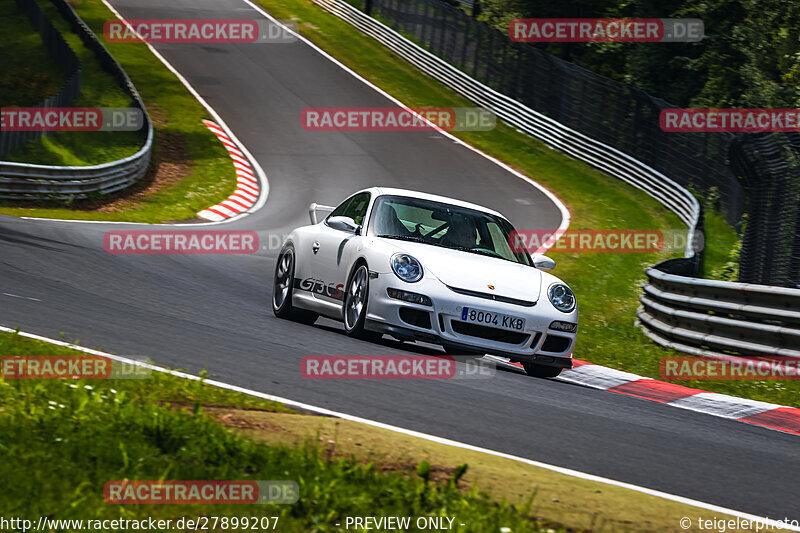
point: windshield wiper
(412, 238)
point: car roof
(378, 191)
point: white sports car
(422, 267)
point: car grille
(493, 297)
(488, 333)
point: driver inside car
(462, 233)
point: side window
(357, 208)
(340, 211)
(354, 207)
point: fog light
(559, 325)
(412, 297)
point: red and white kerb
(247, 185)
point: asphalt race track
(213, 312)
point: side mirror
(344, 224)
(542, 262)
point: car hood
(472, 272)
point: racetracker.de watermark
(595, 241)
(71, 119)
(68, 367)
(397, 119)
(605, 30)
(201, 492)
(180, 242)
(688, 367)
(209, 31)
(676, 120)
(395, 367)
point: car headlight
(561, 297)
(406, 268)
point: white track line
(432, 438)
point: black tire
(541, 371)
(354, 308)
(282, 287)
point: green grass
(158, 387)
(607, 285)
(66, 438)
(195, 170)
(717, 249)
(579, 503)
(717, 262)
(28, 74)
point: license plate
(487, 318)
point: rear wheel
(541, 371)
(356, 299)
(282, 287)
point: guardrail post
(476, 8)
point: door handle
(315, 247)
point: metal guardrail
(27, 181)
(23, 181)
(612, 161)
(719, 319)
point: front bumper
(441, 322)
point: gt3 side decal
(318, 286)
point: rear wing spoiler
(312, 211)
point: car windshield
(445, 225)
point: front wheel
(356, 299)
(541, 371)
(282, 287)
